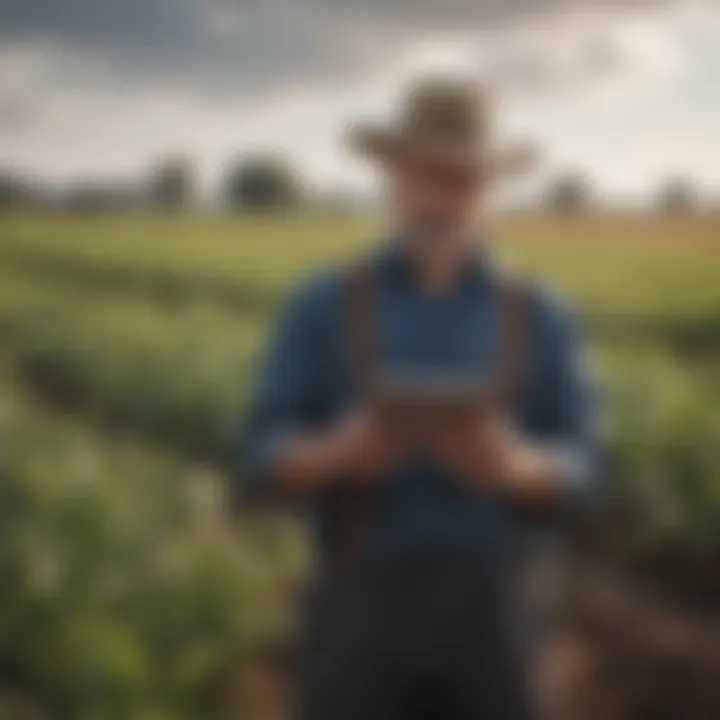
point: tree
(16, 192)
(262, 183)
(569, 193)
(173, 183)
(93, 197)
(677, 195)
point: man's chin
(439, 237)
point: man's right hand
(362, 448)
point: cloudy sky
(627, 91)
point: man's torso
(419, 508)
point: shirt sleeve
(285, 394)
(564, 401)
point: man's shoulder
(550, 302)
(549, 310)
(316, 299)
(328, 285)
(318, 287)
(554, 316)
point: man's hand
(367, 446)
(364, 447)
(487, 453)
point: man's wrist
(308, 461)
(333, 452)
(533, 474)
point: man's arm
(360, 448)
(562, 410)
(284, 449)
(554, 456)
(285, 400)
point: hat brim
(387, 146)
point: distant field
(658, 265)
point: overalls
(435, 636)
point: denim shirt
(306, 383)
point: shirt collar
(477, 273)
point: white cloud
(580, 53)
(72, 110)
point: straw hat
(446, 123)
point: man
(436, 417)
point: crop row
(177, 377)
(663, 469)
(126, 593)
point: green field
(127, 348)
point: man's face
(434, 203)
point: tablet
(430, 394)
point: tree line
(271, 183)
(252, 183)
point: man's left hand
(489, 454)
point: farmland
(126, 355)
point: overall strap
(361, 326)
(361, 321)
(514, 341)
(513, 345)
